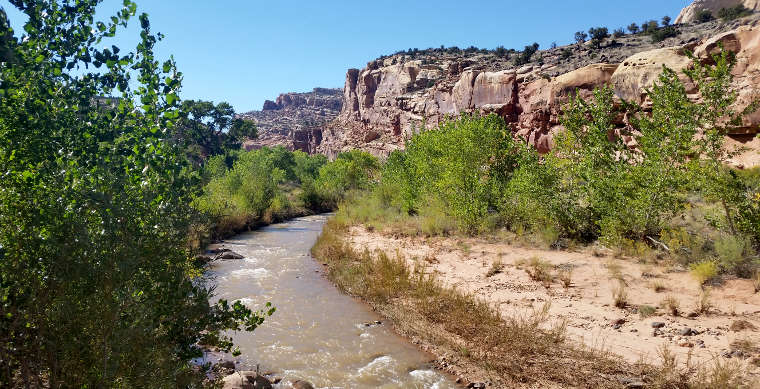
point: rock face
(395, 97)
(295, 120)
(689, 14)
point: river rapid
(317, 333)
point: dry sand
(587, 304)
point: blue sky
(245, 52)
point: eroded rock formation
(391, 99)
(295, 120)
(689, 14)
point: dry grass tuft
(616, 270)
(620, 295)
(566, 277)
(658, 286)
(496, 268)
(671, 304)
(741, 325)
(538, 269)
(704, 305)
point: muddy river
(317, 333)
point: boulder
(246, 380)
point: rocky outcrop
(295, 120)
(395, 97)
(689, 14)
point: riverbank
(500, 314)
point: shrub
(704, 271)
(526, 55)
(598, 33)
(704, 305)
(539, 269)
(704, 16)
(580, 37)
(646, 310)
(463, 165)
(734, 255)
(618, 33)
(732, 13)
(633, 28)
(659, 286)
(664, 33)
(351, 171)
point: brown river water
(317, 333)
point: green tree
(580, 37)
(633, 28)
(716, 117)
(97, 287)
(207, 129)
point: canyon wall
(392, 98)
(295, 120)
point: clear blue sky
(246, 51)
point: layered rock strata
(295, 120)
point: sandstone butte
(395, 96)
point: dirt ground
(730, 328)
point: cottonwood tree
(97, 288)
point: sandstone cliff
(295, 120)
(689, 14)
(394, 97)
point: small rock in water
(231, 255)
(246, 380)
(298, 384)
(477, 385)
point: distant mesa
(295, 120)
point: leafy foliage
(206, 129)
(96, 284)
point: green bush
(258, 188)
(704, 16)
(664, 33)
(465, 163)
(733, 13)
(351, 171)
